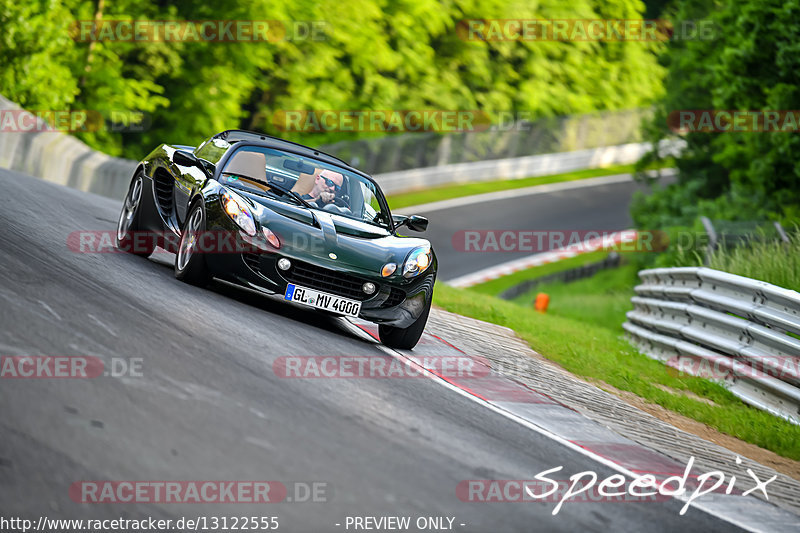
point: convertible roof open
(233, 136)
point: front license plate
(322, 300)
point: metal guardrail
(522, 167)
(732, 329)
(511, 138)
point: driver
(326, 185)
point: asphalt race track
(208, 406)
(601, 208)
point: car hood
(314, 234)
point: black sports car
(282, 218)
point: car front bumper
(393, 304)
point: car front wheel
(405, 338)
(190, 263)
(128, 223)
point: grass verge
(602, 299)
(579, 336)
(446, 192)
(775, 262)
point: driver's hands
(326, 197)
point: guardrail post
(712, 239)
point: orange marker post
(541, 303)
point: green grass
(576, 334)
(771, 261)
(447, 192)
(602, 299)
(496, 286)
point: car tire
(190, 265)
(405, 338)
(128, 223)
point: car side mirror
(186, 159)
(414, 222)
(417, 223)
(209, 167)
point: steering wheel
(333, 208)
(342, 201)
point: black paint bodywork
(306, 239)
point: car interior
(254, 170)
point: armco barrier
(735, 330)
(564, 276)
(513, 136)
(521, 167)
(63, 159)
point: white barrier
(521, 167)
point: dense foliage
(752, 64)
(374, 54)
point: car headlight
(271, 237)
(388, 269)
(238, 211)
(418, 262)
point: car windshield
(272, 172)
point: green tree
(751, 65)
(35, 54)
(375, 54)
